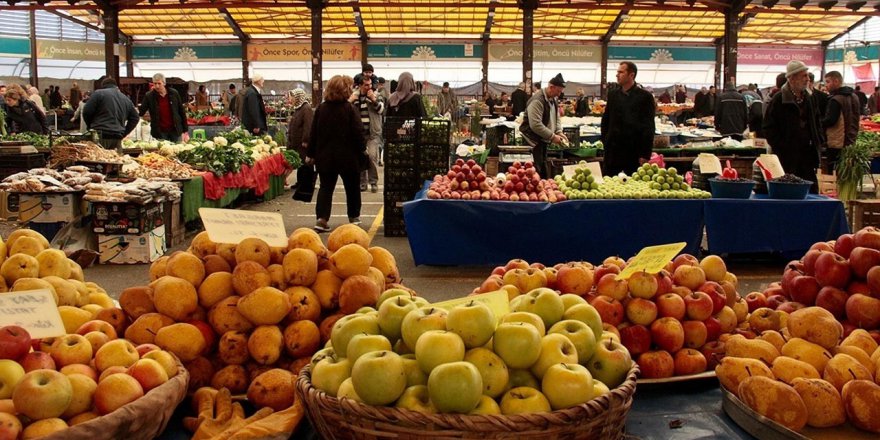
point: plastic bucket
(726, 189)
(788, 190)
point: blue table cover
(761, 224)
(456, 232)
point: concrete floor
(433, 282)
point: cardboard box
(126, 218)
(132, 249)
(173, 222)
(49, 207)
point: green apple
(329, 373)
(391, 314)
(587, 314)
(11, 373)
(401, 348)
(349, 326)
(366, 310)
(416, 398)
(517, 343)
(473, 321)
(455, 387)
(437, 347)
(421, 320)
(414, 373)
(607, 335)
(486, 406)
(599, 389)
(530, 318)
(515, 302)
(346, 389)
(524, 400)
(579, 334)
(521, 378)
(421, 302)
(364, 343)
(555, 348)
(321, 354)
(378, 377)
(492, 370)
(392, 293)
(610, 363)
(567, 385)
(570, 300)
(543, 302)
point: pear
(775, 400)
(861, 339)
(859, 355)
(265, 344)
(861, 399)
(773, 337)
(186, 341)
(816, 325)
(731, 371)
(265, 306)
(806, 351)
(824, 404)
(843, 368)
(787, 369)
(739, 346)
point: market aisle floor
(434, 282)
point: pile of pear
(27, 262)
(807, 374)
(233, 311)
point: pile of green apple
(648, 182)
(576, 186)
(49, 384)
(548, 353)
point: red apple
(612, 287)
(610, 310)
(834, 300)
(713, 328)
(689, 361)
(551, 274)
(671, 305)
(37, 360)
(873, 280)
(207, 332)
(695, 333)
(667, 334)
(615, 260)
(858, 287)
(848, 328)
(863, 311)
(516, 263)
(805, 288)
(146, 348)
(713, 352)
(876, 335)
(604, 269)
(832, 270)
(756, 300)
(664, 282)
(790, 306)
(491, 284)
(868, 236)
(641, 311)
(681, 291)
(698, 306)
(791, 271)
(691, 277)
(809, 261)
(775, 301)
(537, 265)
(773, 290)
(718, 296)
(822, 246)
(862, 259)
(15, 342)
(636, 338)
(574, 278)
(499, 270)
(684, 259)
(656, 364)
(844, 245)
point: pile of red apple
(670, 321)
(468, 181)
(841, 276)
(49, 384)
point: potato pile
(233, 311)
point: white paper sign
(772, 164)
(233, 225)
(34, 311)
(709, 163)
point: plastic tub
(727, 189)
(788, 191)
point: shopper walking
(863, 99)
(202, 99)
(337, 148)
(519, 100)
(167, 113)
(841, 121)
(44, 97)
(874, 102)
(75, 96)
(447, 102)
(581, 106)
(713, 100)
(628, 123)
(405, 102)
(228, 98)
(298, 134)
(790, 125)
(21, 114)
(106, 112)
(253, 110)
(55, 98)
(731, 115)
(34, 98)
(382, 90)
(681, 94)
(386, 97)
(540, 126)
(701, 103)
(370, 108)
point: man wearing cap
(367, 72)
(370, 107)
(540, 126)
(628, 123)
(791, 127)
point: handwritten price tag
(497, 302)
(652, 259)
(709, 163)
(233, 226)
(771, 162)
(33, 310)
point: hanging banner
(852, 54)
(512, 52)
(15, 47)
(662, 55)
(302, 51)
(187, 52)
(73, 50)
(811, 56)
(425, 52)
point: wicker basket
(601, 418)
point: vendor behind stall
(628, 123)
(540, 126)
(106, 111)
(21, 114)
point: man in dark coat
(701, 103)
(841, 119)
(167, 114)
(518, 100)
(628, 123)
(75, 96)
(731, 113)
(863, 99)
(791, 127)
(253, 110)
(106, 111)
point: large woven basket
(601, 418)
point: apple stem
(748, 370)
(150, 331)
(828, 355)
(852, 374)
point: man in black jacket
(863, 99)
(167, 115)
(731, 113)
(518, 100)
(106, 111)
(628, 123)
(841, 120)
(253, 110)
(701, 103)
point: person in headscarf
(34, 98)
(298, 130)
(22, 115)
(405, 102)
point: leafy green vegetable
(854, 164)
(292, 158)
(37, 140)
(219, 161)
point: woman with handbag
(298, 131)
(337, 149)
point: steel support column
(603, 81)
(485, 79)
(528, 8)
(317, 8)
(34, 74)
(111, 40)
(245, 64)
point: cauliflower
(166, 150)
(208, 144)
(221, 141)
(238, 146)
(273, 144)
(276, 150)
(267, 138)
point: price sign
(771, 162)
(33, 310)
(497, 302)
(652, 259)
(595, 171)
(232, 226)
(709, 163)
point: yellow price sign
(652, 259)
(497, 302)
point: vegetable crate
(434, 131)
(498, 135)
(400, 130)
(400, 155)
(864, 212)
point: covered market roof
(806, 22)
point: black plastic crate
(573, 134)
(434, 131)
(400, 155)
(394, 210)
(19, 161)
(433, 155)
(400, 129)
(394, 227)
(498, 135)
(400, 176)
(399, 196)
